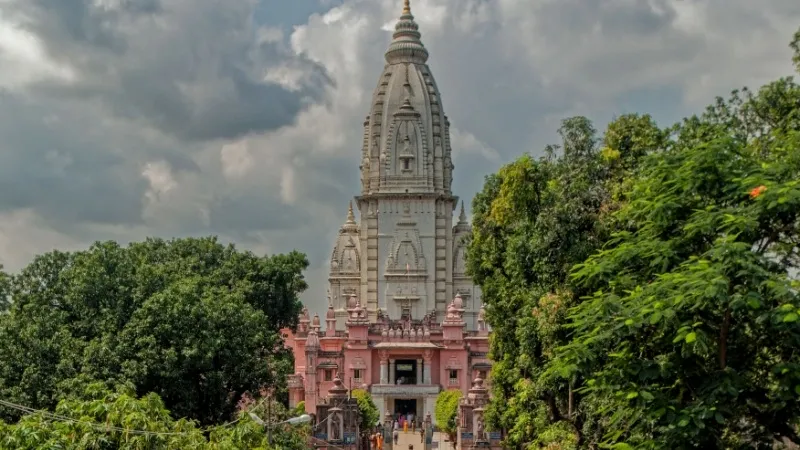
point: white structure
(404, 256)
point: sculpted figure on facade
(365, 172)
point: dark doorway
(405, 406)
(406, 371)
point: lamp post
(305, 418)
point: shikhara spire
(403, 255)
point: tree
(368, 414)
(700, 314)
(533, 221)
(446, 413)
(190, 319)
(5, 283)
(119, 420)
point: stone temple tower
(404, 257)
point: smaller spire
(406, 6)
(462, 218)
(351, 218)
(350, 225)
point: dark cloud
(247, 211)
(150, 81)
(50, 162)
(193, 69)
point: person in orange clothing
(379, 440)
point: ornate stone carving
(365, 172)
(459, 263)
(405, 251)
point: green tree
(446, 413)
(688, 335)
(102, 419)
(700, 314)
(368, 414)
(533, 221)
(5, 285)
(192, 320)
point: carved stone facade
(402, 310)
(472, 430)
(404, 255)
(336, 419)
(404, 363)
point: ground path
(414, 439)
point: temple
(404, 321)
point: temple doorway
(406, 371)
(405, 407)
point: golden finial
(406, 6)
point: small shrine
(472, 431)
(337, 419)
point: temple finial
(462, 218)
(406, 6)
(350, 216)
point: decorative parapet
(404, 390)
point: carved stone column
(427, 356)
(419, 371)
(384, 368)
(392, 373)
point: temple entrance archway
(404, 406)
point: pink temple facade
(404, 364)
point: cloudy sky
(121, 119)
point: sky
(123, 119)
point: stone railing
(404, 390)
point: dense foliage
(446, 412)
(639, 285)
(533, 221)
(5, 284)
(191, 320)
(104, 420)
(368, 414)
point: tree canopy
(191, 320)
(446, 412)
(639, 285)
(368, 414)
(99, 418)
(5, 282)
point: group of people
(376, 440)
(402, 422)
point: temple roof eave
(406, 345)
(409, 195)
